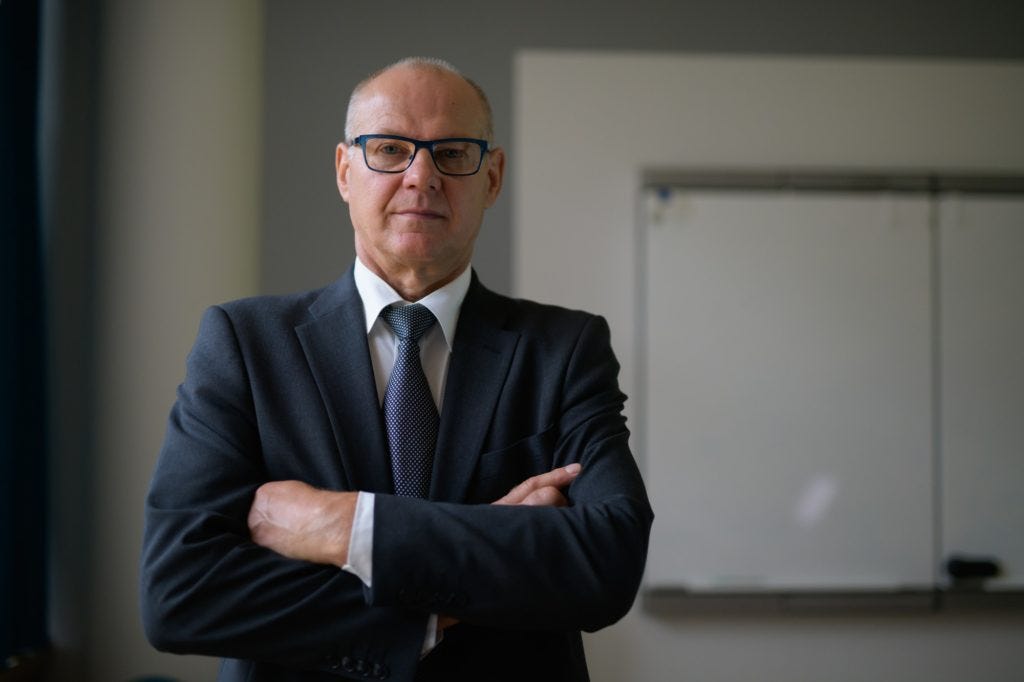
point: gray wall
(316, 52)
(151, 158)
(67, 160)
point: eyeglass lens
(391, 155)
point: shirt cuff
(433, 638)
(360, 559)
(360, 542)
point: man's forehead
(409, 77)
(421, 98)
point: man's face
(418, 223)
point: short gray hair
(425, 63)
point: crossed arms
(233, 566)
(305, 523)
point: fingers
(547, 496)
(556, 479)
(268, 508)
(275, 498)
(262, 507)
(444, 622)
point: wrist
(340, 510)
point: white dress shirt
(435, 349)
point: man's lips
(421, 213)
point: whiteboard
(982, 349)
(785, 390)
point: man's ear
(495, 174)
(341, 166)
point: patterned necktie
(410, 416)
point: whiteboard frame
(821, 180)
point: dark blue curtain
(23, 379)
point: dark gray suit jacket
(282, 388)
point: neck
(412, 284)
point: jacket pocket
(498, 471)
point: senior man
(402, 475)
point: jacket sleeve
(205, 587)
(571, 568)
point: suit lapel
(480, 359)
(335, 346)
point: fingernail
(573, 468)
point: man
(309, 520)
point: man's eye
(391, 149)
(451, 153)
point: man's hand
(543, 490)
(303, 522)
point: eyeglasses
(394, 153)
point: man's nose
(422, 172)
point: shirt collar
(444, 303)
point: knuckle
(554, 498)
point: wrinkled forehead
(418, 102)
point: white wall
(177, 213)
(586, 124)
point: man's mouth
(421, 213)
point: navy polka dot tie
(410, 416)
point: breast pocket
(498, 471)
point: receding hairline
(428, 63)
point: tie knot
(409, 322)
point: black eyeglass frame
(429, 145)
